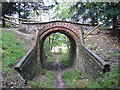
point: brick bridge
(80, 56)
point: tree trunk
(19, 12)
(114, 23)
(3, 22)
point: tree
(7, 9)
(23, 9)
(61, 11)
(56, 39)
(91, 12)
(105, 12)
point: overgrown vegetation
(64, 59)
(46, 83)
(70, 76)
(111, 79)
(74, 79)
(12, 49)
(51, 59)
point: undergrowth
(70, 77)
(74, 79)
(12, 49)
(64, 59)
(51, 59)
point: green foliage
(55, 40)
(106, 13)
(11, 48)
(99, 11)
(8, 25)
(74, 79)
(111, 79)
(61, 11)
(70, 76)
(107, 80)
(93, 85)
(36, 84)
(51, 59)
(64, 59)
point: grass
(70, 77)
(12, 49)
(46, 83)
(74, 79)
(64, 59)
(107, 80)
(110, 79)
(51, 59)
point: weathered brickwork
(85, 60)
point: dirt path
(58, 79)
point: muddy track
(58, 79)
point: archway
(70, 35)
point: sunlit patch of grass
(70, 77)
(12, 49)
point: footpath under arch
(72, 36)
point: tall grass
(12, 49)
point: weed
(110, 79)
(64, 59)
(71, 76)
(11, 48)
(51, 59)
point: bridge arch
(84, 59)
(67, 31)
